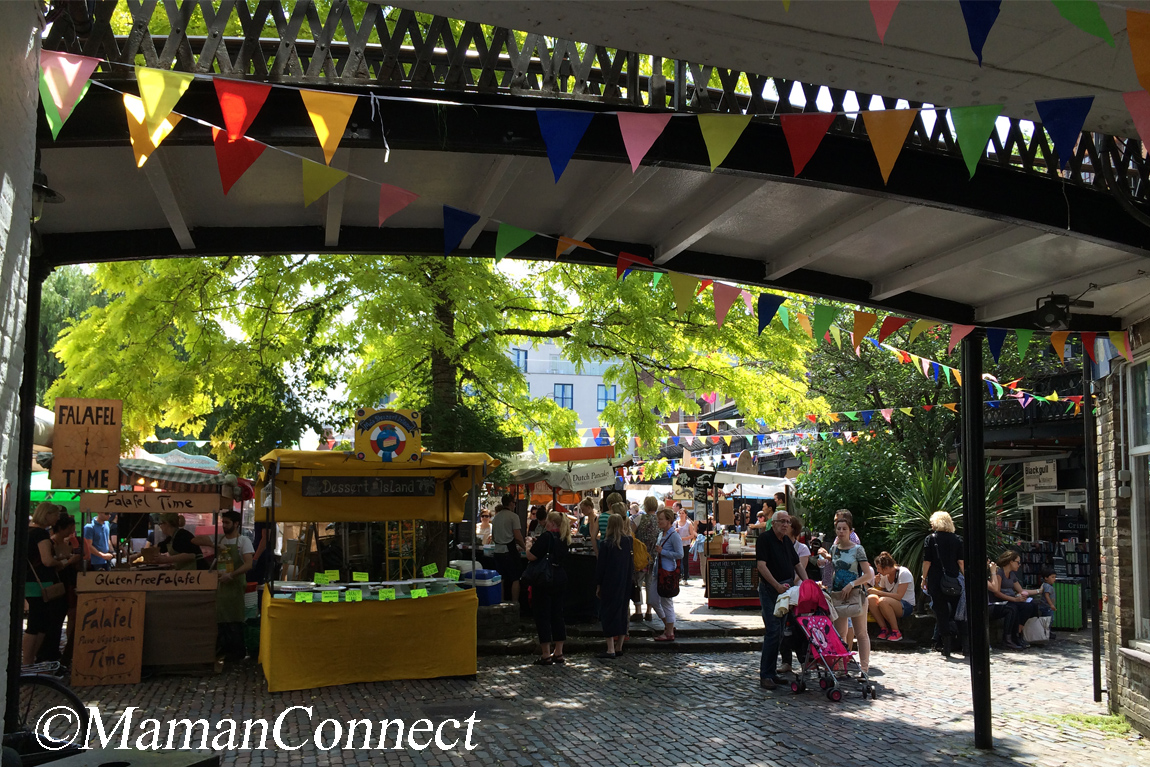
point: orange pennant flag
(693, 426)
(566, 242)
(329, 113)
(951, 406)
(888, 130)
(805, 322)
(864, 321)
(145, 141)
(1138, 31)
(1058, 341)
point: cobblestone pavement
(681, 709)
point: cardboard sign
(149, 580)
(725, 512)
(391, 436)
(329, 596)
(332, 576)
(320, 579)
(353, 595)
(303, 596)
(417, 593)
(359, 577)
(430, 570)
(109, 638)
(386, 594)
(86, 444)
(149, 503)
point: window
(1139, 430)
(565, 395)
(553, 364)
(520, 359)
(606, 394)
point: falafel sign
(109, 638)
(152, 503)
(86, 444)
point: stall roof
(571, 475)
(346, 460)
(775, 484)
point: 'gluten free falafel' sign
(109, 638)
(86, 444)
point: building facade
(550, 375)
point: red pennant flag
(392, 199)
(889, 326)
(813, 418)
(928, 408)
(234, 157)
(626, 260)
(804, 133)
(703, 286)
(240, 102)
(1088, 344)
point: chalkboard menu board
(732, 579)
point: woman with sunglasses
(483, 529)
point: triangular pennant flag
(866, 415)
(934, 369)
(1063, 120)
(813, 418)
(456, 224)
(1053, 396)
(234, 157)
(804, 133)
(693, 426)
(1022, 336)
(748, 300)
(318, 180)
(566, 242)
(824, 318)
(972, 128)
(1138, 33)
(1122, 343)
(864, 321)
(887, 412)
(683, 287)
(160, 90)
(834, 331)
(703, 286)
(992, 403)
(145, 141)
(392, 199)
(785, 317)
(1138, 104)
(329, 113)
(920, 327)
(562, 130)
(833, 417)
(1058, 341)
(928, 408)
(720, 132)
(946, 370)
(980, 16)
(655, 278)
(64, 79)
(51, 115)
(1086, 16)
(769, 304)
(888, 130)
(883, 11)
(957, 333)
(727, 439)
(852, 414)
(1088, 344)
(905, 410)
(725, 296)
(951, 406)
(508, 239)
(640, 131)
(240, 102)
(994, 340)
(890, 325)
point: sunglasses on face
(485, 516)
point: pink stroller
(826, 655)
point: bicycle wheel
(52, 712)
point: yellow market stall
(325, 634)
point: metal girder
(333, 200)
(1023, 301)
(157, 175)
(500, 178)
(618, 189)
(937, 266)
(826, 241)
(717, 200)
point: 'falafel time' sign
(86, 444)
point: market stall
(318, 634)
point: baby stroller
(826, 655)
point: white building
(550, 375)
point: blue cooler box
(488, 586)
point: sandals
(607, 655)
(637, 617)
(648, 618)
(664, 638)
(558, 660)
(543, 661)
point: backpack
(639, 556)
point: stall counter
(730, 580)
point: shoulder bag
(48, 593)
(538, 572)
(853, 606)
(948, 584)
(668, 584)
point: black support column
(974, 535)
(1089, 424)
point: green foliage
(67, 295)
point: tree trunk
(445, 398)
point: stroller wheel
(796, 687)
(835, 694)
(824, 683)
(873, 691)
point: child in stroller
(825, 657)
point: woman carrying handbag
(548, 581)
(42, 589)
(666, 574)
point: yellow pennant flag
(805, 322)
(329, 113)
(318, 180)
(145, 141)
(720, 132)
(837, 335)
(920, 327)
(727, 439)
(887, 130)
(683, 286)
(1058, 341)
(957, 376)
(1053, 396)
(951, 406)
(713, 424)
(160, 89)
(864, 321)
(905, 410)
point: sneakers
(1012, 644)
(895, 636)
(884, 634)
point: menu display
(732, 579)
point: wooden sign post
(109, 638)
(86, 444)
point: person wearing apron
(233, 558)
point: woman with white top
(892, 598)
(670, 550)
(686, 530)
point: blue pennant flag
(868, 414)
(989, 388)
(769, 305)
(935, 368)
(877, 345)
(562, 130)
(456, 224)
(980, 16)
(676, 440)
(992, 403)
(1063, 120)
(994, 339)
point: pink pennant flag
(957, 333)
(749, 300)
(882, 10)
(1138, 104)
(640, 131)
(887, 413)
(65, 75)
(392, 199)
(725, 297)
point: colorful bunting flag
(887, 413)
(51, 115)
(1122, 343)
(888, 130)
(804, 133)
(1138, 105)
(234, 157)
(920, 327)
(1063, 120)
(864, 321)
(145, 141)
(1138, 33)
(883, 11)
(995, 337)
(508, 238)
(329, 113)
(1088, 344)
(1022, 336)
(720, 132)
(725, 296)
(566, 242)
(834, 331)
(703, 286)
(683, 287)
(785, 317)
(562, 131)
(63, 82)
(951, 406)
(957, 333)
(392, 199)
(456, 224)
(980, 16)
(824, 318)
(655, 277)
(640, 131)
(1085, 15)
(240, 102)
(318, 180)
(890, 325)
(972, 128)
(160, 90)
(769, 305)
(805, 324)
(1058, 341)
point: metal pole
(36, 277)
(974, 533)
(1092, 525)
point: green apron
(230, 594)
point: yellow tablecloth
(323, 644)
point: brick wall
(19, 53)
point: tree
(67, 295)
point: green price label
(430, 570)
(386, 594)
(353, 595)
(417, 593)
(451, 574)
(320, 578)
(329, 596)
(332, 576)
(359, 577)
(303, 596)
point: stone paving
(672, 710)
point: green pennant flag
(508, 239)
(655, 279)
(823, 319)
(852, 414)
(1085, 15)
(784, 317)
(1023, 341)
(946, 370)
(50, 111)
(972, 127)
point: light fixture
(41, 192)
(1053, 312)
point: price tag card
(417, 593)
(303, 596)
(430, 570)
(451, 574)
(332, 576)
(329, 596)
(386, 594)
(320, 578)
(359, 577)
(353, 595)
